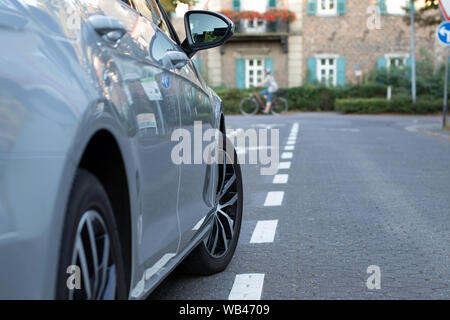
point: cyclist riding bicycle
(270, 90)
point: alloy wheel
(92, 254)
(223, 229)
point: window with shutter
(254, 72)
(327, 7)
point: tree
(171, 5)
(428, 14)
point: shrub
(322, 98)
(429, 79)
(231, 98)
(365, 98)
(399, 104)
(311, 98)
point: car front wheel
(91, 266)
(215, 252)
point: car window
(150, 10)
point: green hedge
(400, 104)
(305, 98)
(231, 98)
(365, 98)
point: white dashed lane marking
(280, 179)
(250, 286)
(286, 155)
(284, 165)
(274, 198)
(264, 231)
(247, 287)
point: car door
(197, 179)
(195, 199)
(155, 112)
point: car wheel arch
(101, 154)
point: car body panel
(60, 84)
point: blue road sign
(443, 33)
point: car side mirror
(205, 30)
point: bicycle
(253, 103)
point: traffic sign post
(445, 111)
(443, 34)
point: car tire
(90, 227)
(201, 261)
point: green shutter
(268, 64)
(381, 4)
(341, 71)
(342, 7)
(198, 62)
(381, 63)
(240, 73)
(312, 69)
(311, 7)
(272, 4)
(409, 62)
(237, 5)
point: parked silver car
(91, 204)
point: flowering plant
(270, 15)
(274, 14)
(233, 15)
(251, 15)
(237, 16)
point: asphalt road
(361, 191)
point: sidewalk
(436, 131)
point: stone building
(331, 41)
(255, 47)
(344, 40)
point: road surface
(360, 191)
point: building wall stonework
(355, 37)
(295, 42)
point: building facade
(344, 40)
(331, 41)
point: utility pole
(413, 53)
(445, 111)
